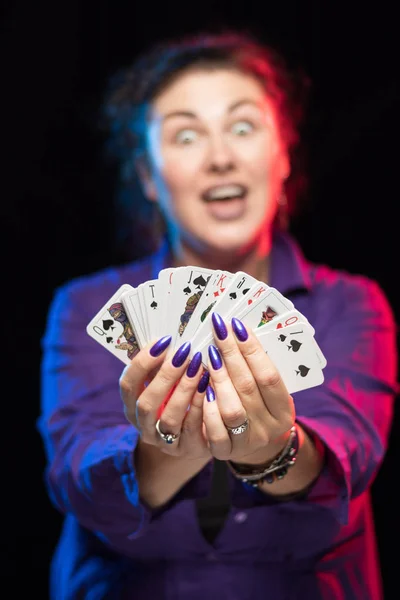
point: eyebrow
(192, 115)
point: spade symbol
(282, 337)
(233, 295)
(245, 291)
(109, 340)
(187, 290)
(200, 281)
(107, 324)
(303, 370)
(295, 345)
(154, 304)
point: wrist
(266, 454)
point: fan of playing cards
(180, 303)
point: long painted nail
(203, 383)
(210, 394)
(219, 326)
(239, 330)
(194, 365)
(181, 355)
(159, 347)
(215, 357)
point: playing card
(292, 351)
(239, 286)
(111, 328)
(149, 300)
(165, 287)
(261, 305)
(283, 320)
(130, 300)
(290, 318)
(212, 295)
(188, 284)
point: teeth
(225, 191)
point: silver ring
(239, 429)
(169, 438)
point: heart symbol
(279, 326)
(249, 302)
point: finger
(230, 406)
(176, 409)
(267, 377)
(238, 370)
(153, 396)
(218, 437)
(192, 426)
(135, 375)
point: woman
(210, 128)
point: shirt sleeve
(351, 412)
(89, 444)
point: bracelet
(276, 469)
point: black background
(56, 202)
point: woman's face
(216, 159)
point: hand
(247, 386)
(174, 378)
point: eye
(186, 136)
(242, 128)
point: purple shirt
(319, 547)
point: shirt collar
(289, 270)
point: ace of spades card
(188, 285)
(292, 350)
(111, 328)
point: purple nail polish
(215, 357)
(194, 365)
(181, 355)
(219, 326)
(210, 394)
(239, 330)
(203, 383)
(159, 347)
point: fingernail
(210, 394)
(159, 347)
(219, 326)
(181, 355)
(203, 383)
(194, 365)
(239, 330)
(215, 357)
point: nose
(220, 156)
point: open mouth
(223, 193)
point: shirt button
(240, 517)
